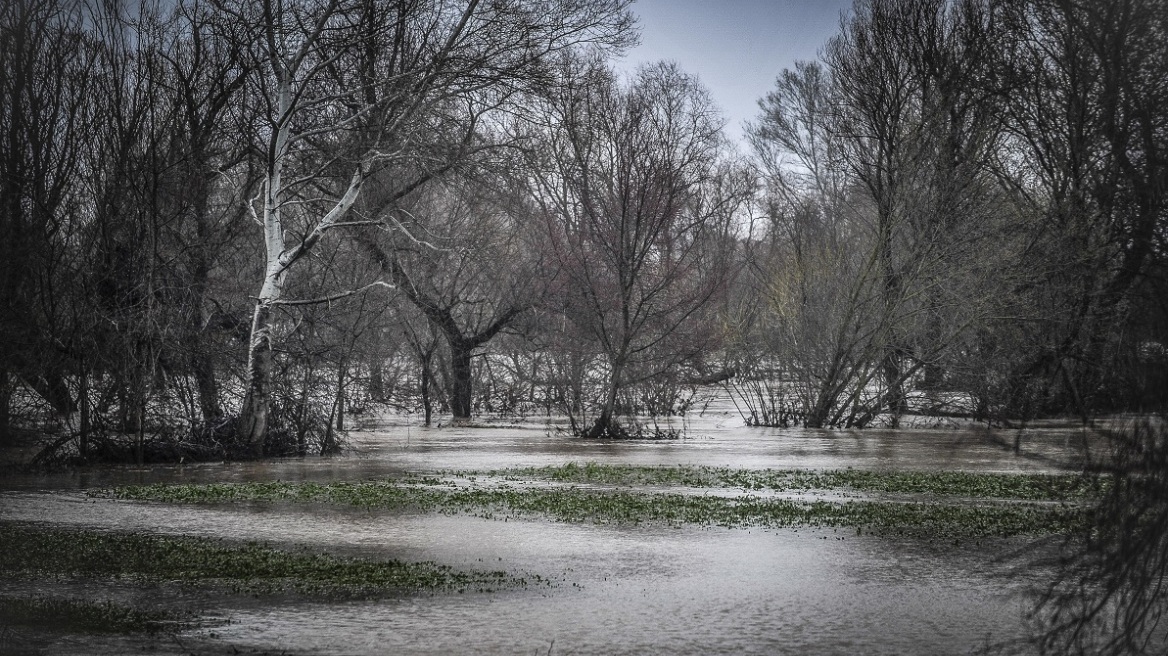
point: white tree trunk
(253, 418)
(253, 425)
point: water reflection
(716, 438)
(1109, 594)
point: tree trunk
(895, 382)
(934, 374)
(330, 446)
(253, 419)
(460, 381)
(890, 362)
(203, 368)
(52, 388)
(605, 425)
(203, 175)
(817, 417)
(302, 424)
(377, 380)
(6, 390)
(121, 392)
(427, 376)
(83, 402)
(132, 396)
(341, 395)
(140, 441)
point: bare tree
(472, 274)
(886, 229)
(812, 314)
(1088, 158)
(918, 125)
(45, 80)
(207, 69)
(354, 86)
(640, 204)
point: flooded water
(717, 438)
(619, 589)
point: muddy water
(618, 589)
(677, 592)
(715, 438)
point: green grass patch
(247, 567)
(570, 504)
(1027, 487)
(81, 616)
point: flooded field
(594, 586)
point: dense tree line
(227, 224)
(965, 201)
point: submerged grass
(929, 520)
(1027, 487)
(249, 567)
(81, 616)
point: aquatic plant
(83, 616)
(571, 504)
(251, 567)
(1029, 487)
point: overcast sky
(736, 47)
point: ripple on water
(622, 589)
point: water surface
(617, 589)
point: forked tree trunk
(460, 382)
(253, 418)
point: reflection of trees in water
(1111, 590)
